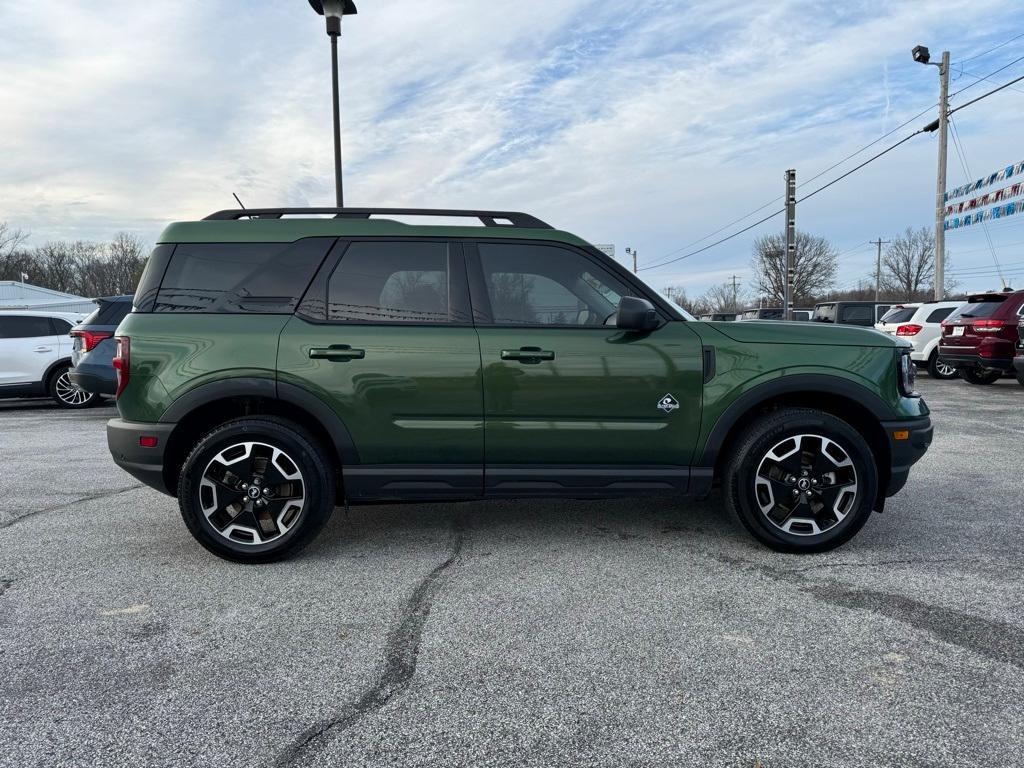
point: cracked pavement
(641, 633)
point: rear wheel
(980, 375)
(938, 369)
(1020, 375)
(801, 480)
(256, 490)
(66, 393)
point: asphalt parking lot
(519, 633)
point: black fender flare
(52, 368)
(269, 389)
(783, 385)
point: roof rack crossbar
(487, 218)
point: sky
(647, 124)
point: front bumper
(908, 442)
(145, 464)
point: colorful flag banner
(999, 212)
(989, 198)
(1007, 172)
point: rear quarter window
(938, 315)
(899, 315)
(239, 278)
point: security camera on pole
(333, 11)
(921, 56)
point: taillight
(122, 362)
(90, 338)
(987, 326)
(909, 330)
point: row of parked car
(67, 356)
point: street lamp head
(332, 11)
(920, 53)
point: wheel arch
(201, 409)
(52, 369)
(859, 407)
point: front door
(390, 346)
(571, 404)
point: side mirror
(636, 314)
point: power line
(986, 95)
(986, 77)
(987, 80)
(990, 50)
(959, 147)
(717, 242)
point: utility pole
(878, 265)
(940, 190)
(632, 252)
(790, 242)
(735, 292)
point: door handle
(337, 353)
(528, 355)
(43, 349)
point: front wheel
(938, 369)
(255, 490)
(801, 480)
(980, 375)
(66, 393)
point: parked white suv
(921, 325)
(35, 356)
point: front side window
(532, 284)
(24, 327)
(267, 278)
(393, 282)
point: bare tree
(816, 266)
(677, 295)
(14, 261)
(908, 266)
(126, 255)
(723, 298)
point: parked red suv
(980, 337)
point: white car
(35, 356)
(921, 325)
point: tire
(1019, 373)
(980, 376)
(66, 394)
(219, 490)
(940, 370)
(830, 509)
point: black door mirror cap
(636, 314)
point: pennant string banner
(989, 198)
(999, 212)
(1006, 173)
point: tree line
(907, 274)
(80, 267)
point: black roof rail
(487, 218)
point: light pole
(632, 252)
(921, 56)
(333, 11)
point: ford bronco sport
(275, 366)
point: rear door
(28, 346)
(571, 404)
(385, 337)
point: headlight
(907, 374)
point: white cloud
(648, 125)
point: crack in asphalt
(994, 639)
(64, 505)
(5, 584)
(400, 655)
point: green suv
(279, 362)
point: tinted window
(546, 285)
(60, 327)
(152, 274)
(856, 315)
(899, 315)
(406, 282)
(938, 315)
(24, 327)
(239, 277)
(979, 309)
(825, 313)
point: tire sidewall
(773, 431)
(933, 369)
(979, 377)
(317, 482)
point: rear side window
(898, 315)
(152, 274)
(856, 315)
(938, 315)
(25, 327)
(60, 326)
(239, 278)
(825, 313)
(396, 282)
(108, 313)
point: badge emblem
(668, 404)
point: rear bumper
(905, 453)
(145, 464)
(962, 360)
(93, 379)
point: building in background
(15, 295)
